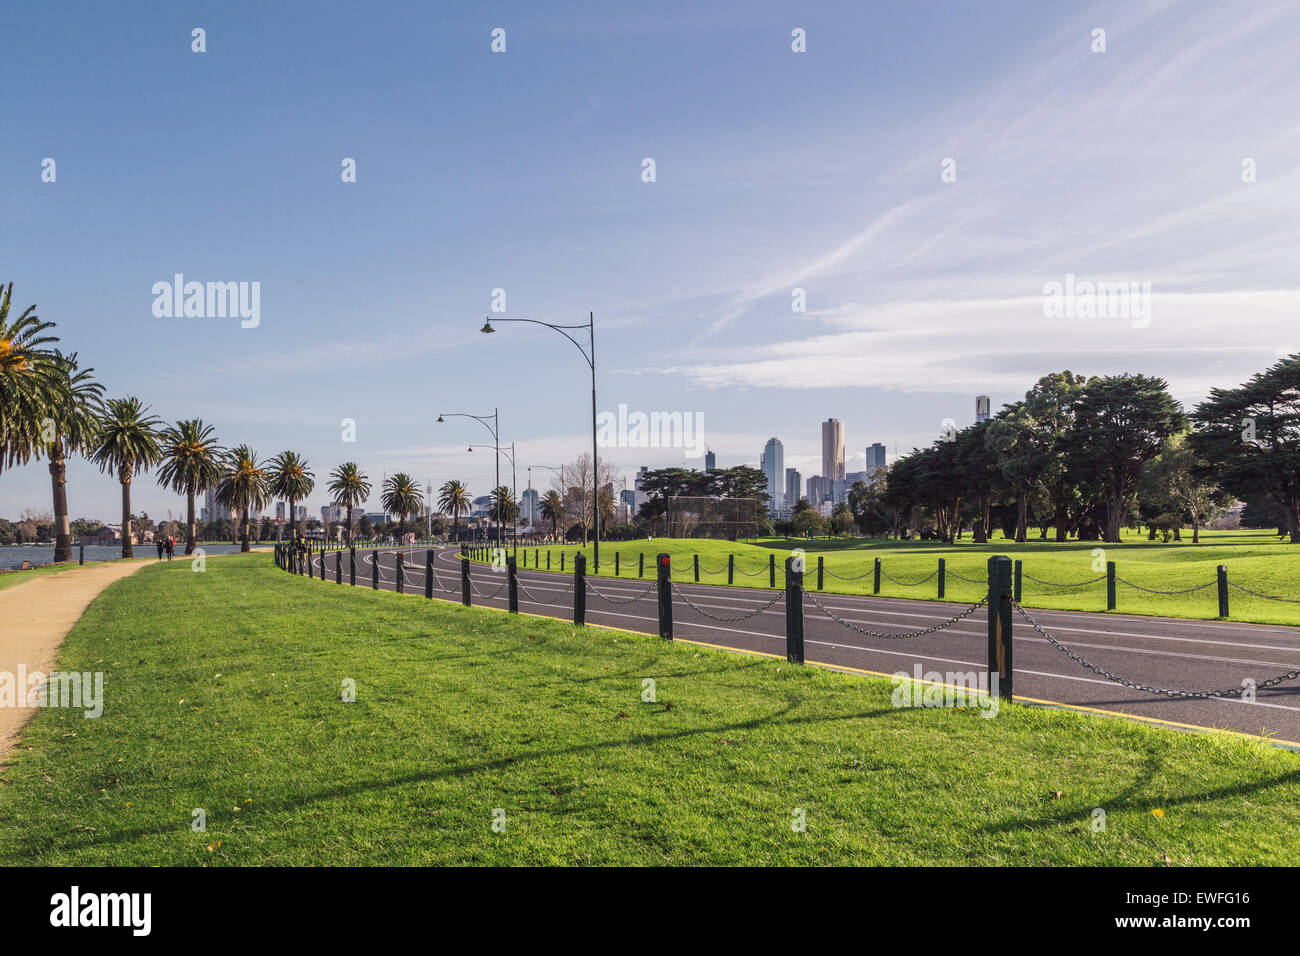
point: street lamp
(514, 485)
(559, 471)
(589, 354)
(495, 429)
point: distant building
(710, 461)
(330, 514)
(833, 449)
(640, 475)
(773, 462)
(819, 490)
(981, 408)
(793, 482)
(529, 504)
(875, 457)
(214, 510)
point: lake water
(15, 555)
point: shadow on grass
(778, 718)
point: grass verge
(223, 694)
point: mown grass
(223, 693)
(1254, 559)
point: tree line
(1086, 457)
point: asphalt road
(1160, 652)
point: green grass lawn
(1254, 559)
(223, 693)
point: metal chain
(1138, 587)
(843, 578)
(488, 597)
(1267, 597)
(1053, 584)
(776, 596)
(1187, 694)
(533, 597)
(605, 597)
(949, 572)
(892, 635)
(904, 584)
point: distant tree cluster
(1086, 457)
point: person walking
(159, 543)
(171, 547)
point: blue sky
(522, 170)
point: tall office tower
(981, 408)
(710, 461)
(875, 457)
(529, 505)
(793, 482)
(215, 509)
(833, 449)
(774, 471)
(636, 482)
(819, 490)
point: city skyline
(921, 281)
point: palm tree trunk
(243, 544)
(349, 525)
(58, 481)
(191, 526)
(124, 476)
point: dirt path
(35, 617)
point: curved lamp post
(514, 485)
(495, 429)
(589, 355)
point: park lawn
(1256, 560)
(223, 693)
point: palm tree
(128, 444)
(453, 499)
(30, 381)
(401, 496)
(243, 486)
(75, 422)
(348, 487)
(552, 509)
(503, 506)
(191, 464)
(291, 479)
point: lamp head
(487, 325)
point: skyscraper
(774, 471)
(216, 511)
(875, 457)
(833, 449)
(710, 461)
(793, 482)
(981, 408)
